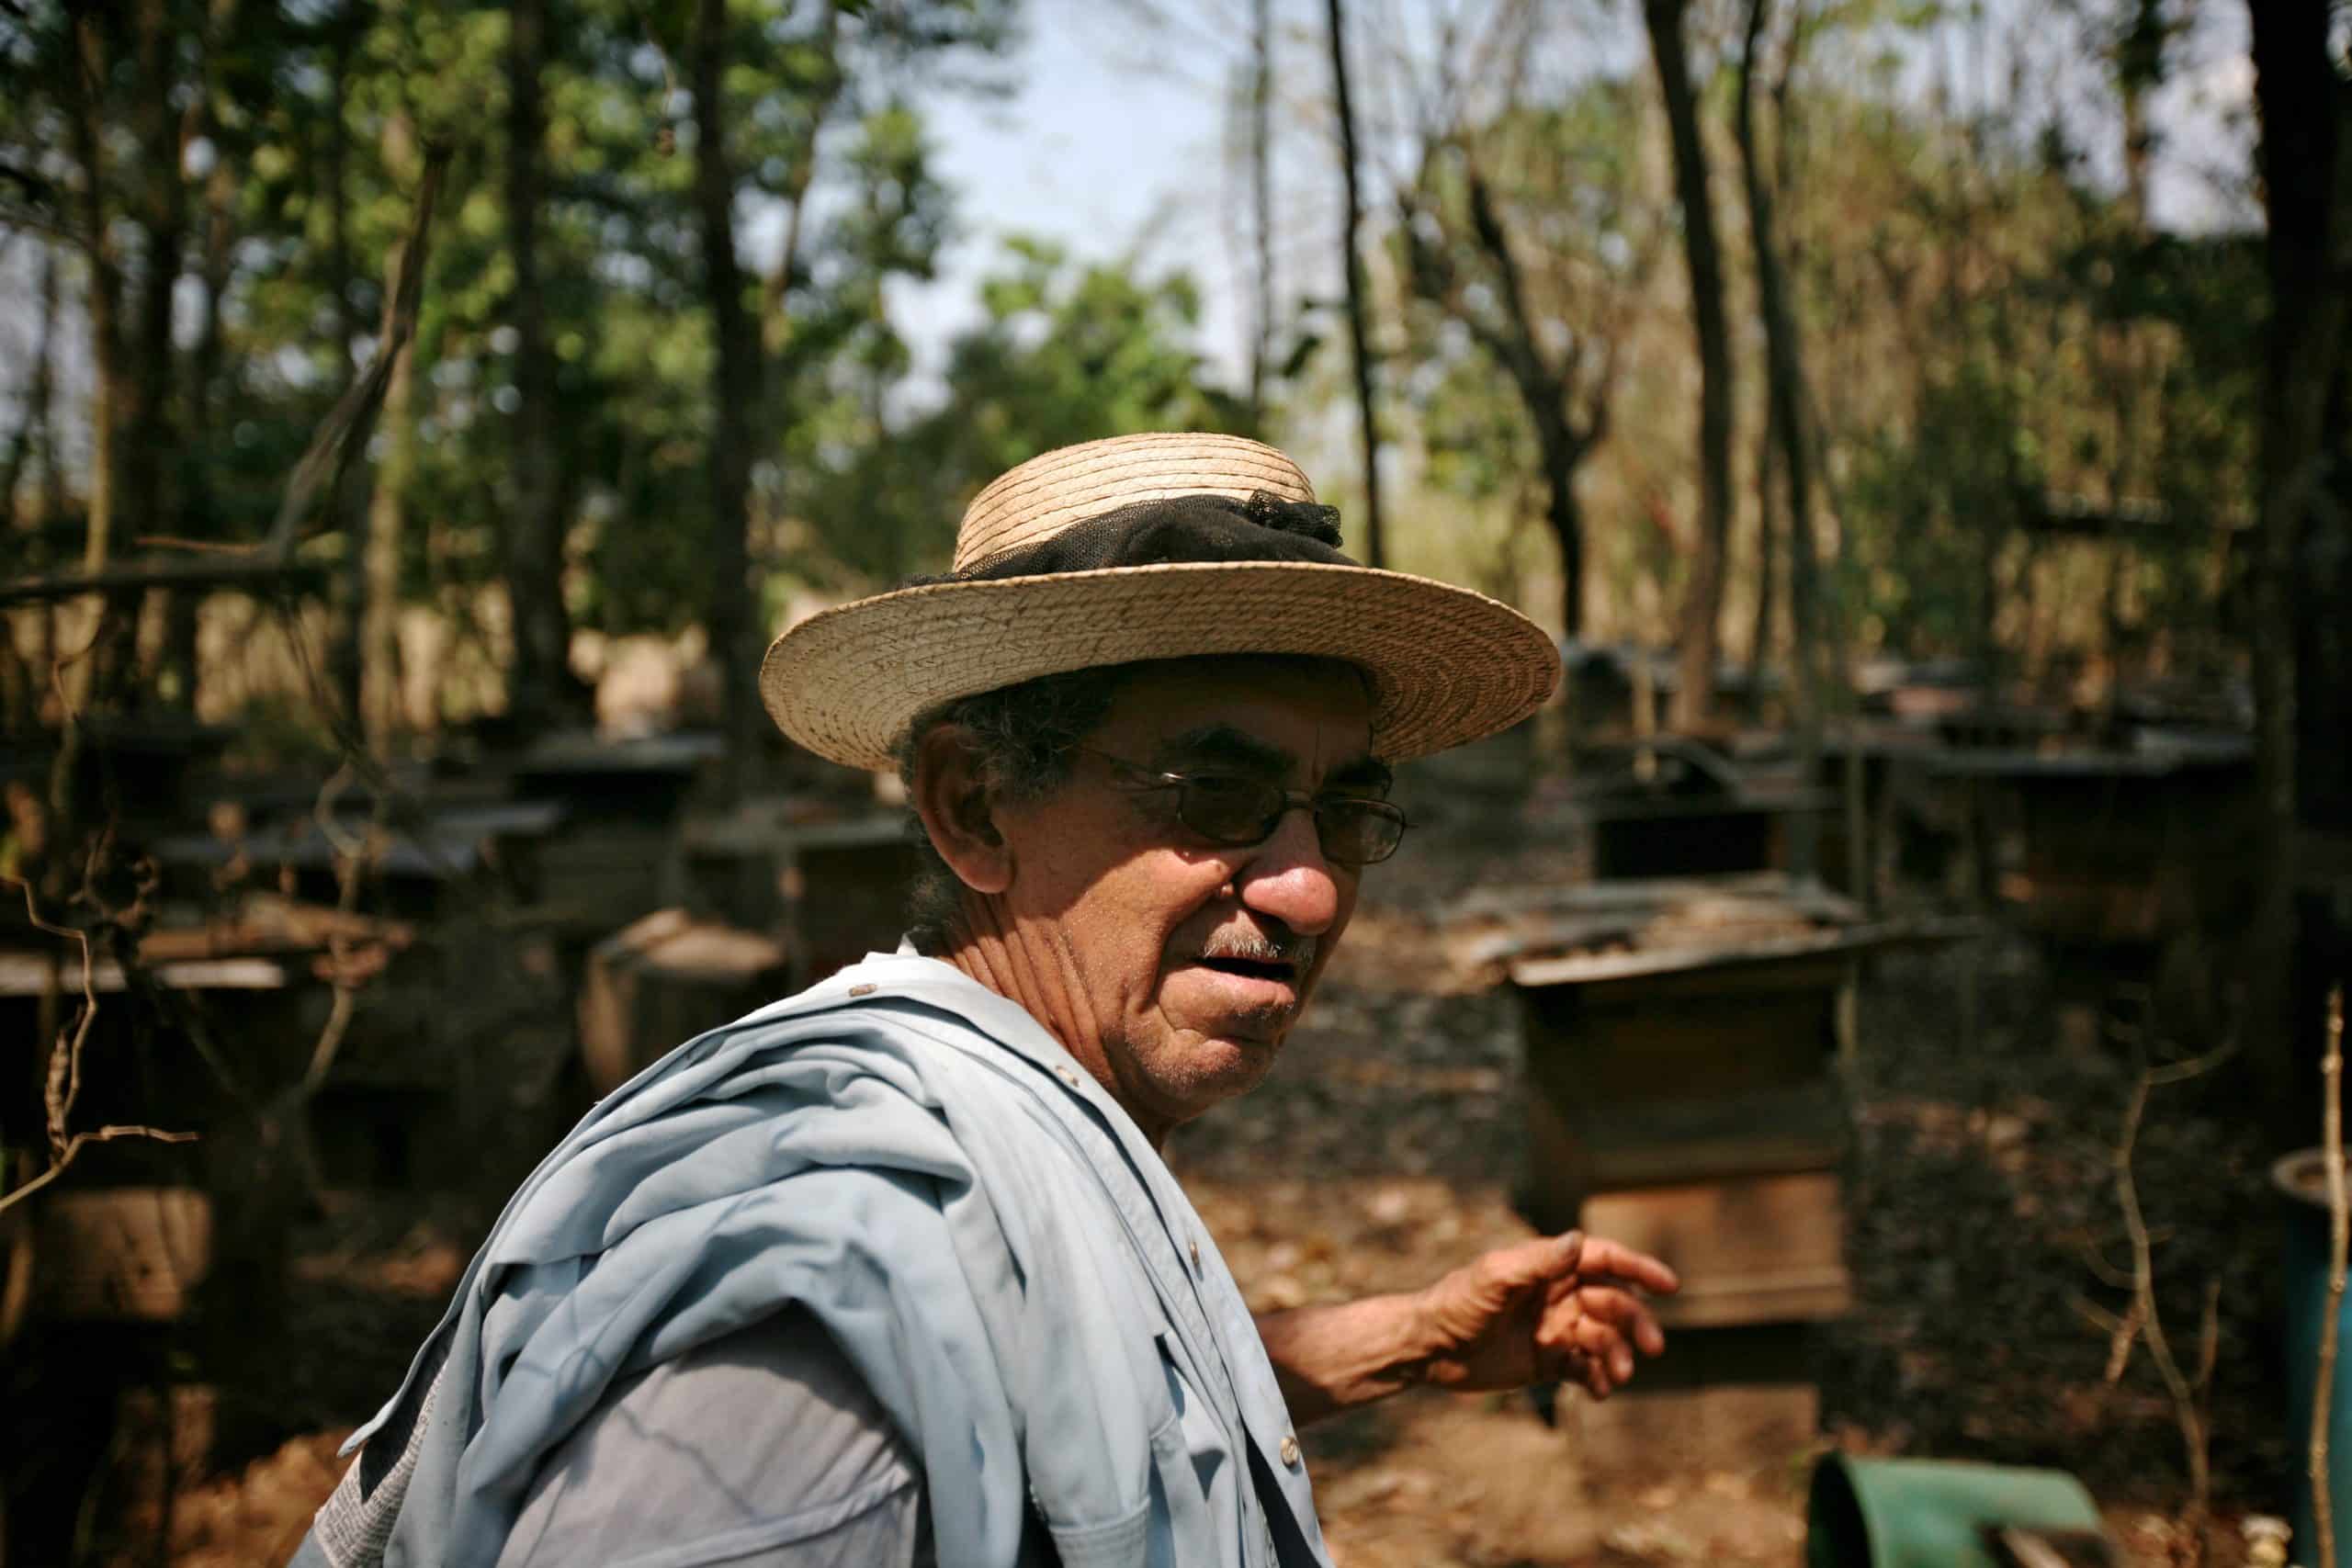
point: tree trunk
(32, 433)
(1261, 205)
(1352, 262)
(540, 678)
(1704, 592)
(84, 625)
(735, 378)
(2305, 113)
(1766, 622)
(348, 508)
(340, 273)
(1552, 389)
(776, 317)
(1785, 389)
(146, 427)
(103, 294)
(2140, 70)
(1565, 516)
(380, 677)
(199, 504)
(22, 686)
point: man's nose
(1290, 879)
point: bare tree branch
(2340, 1226)
(64, 1079)
(344, 436)
(2187, 1398)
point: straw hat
(1446, 665)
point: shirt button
(1290, 1447)
(861, 990)
(1195, 1246)
(1068, 1076)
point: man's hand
(1561, 1308)
(1558, 1308)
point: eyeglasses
(1230, 808)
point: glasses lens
(1359, 832)
(1229, 810)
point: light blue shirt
(997, 1251)
(761, 1449)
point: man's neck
(989, 950)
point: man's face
(1173, 966)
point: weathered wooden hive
(1669, 807)
(2108, 847)
(1682, 1038)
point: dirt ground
(1983, 1235)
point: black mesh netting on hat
(1192, 529)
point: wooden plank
(1660, 1142)
(1753, 1249)
(132, 1253)
(680, 752)
(662, 980)
(1725, 840)
(1581, 969)
(300, 846)
(1653, 894)
(773, 829)
(1746, 801)
(1720, 1046)
(845, 897)
(30, 974)
(613, 872)
(211, 572)
(269, 926)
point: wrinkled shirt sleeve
(761, 1449)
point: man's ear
(953, 799)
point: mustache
(1252, 946)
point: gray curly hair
(1024, 738)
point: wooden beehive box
(1675, 806)
(832, 886)
(1681, 1041)
(121, 1253)
(2112, 846)
(1685, 1102)
(623, 802)
(662, 981)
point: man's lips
(1259, 980)
(1252, 969)
(1257, 955)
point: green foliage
(1068, 353)
(1987, 322)
(318, 114)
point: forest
(398, 398)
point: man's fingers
(1591, 1336)
(1621, 1310)
(1602, 1259)
(1591, 1327)
(1598, 1378)
(1594, 1355)
(1546, 1258)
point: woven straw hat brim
(1447, 665)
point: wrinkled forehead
(1276, 714)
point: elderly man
(891, 1271)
